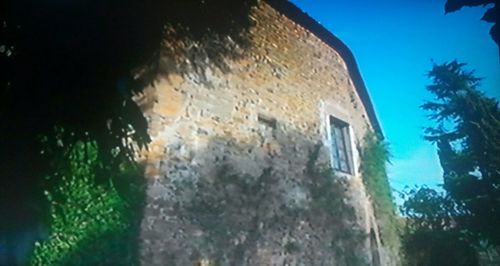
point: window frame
(340, 149)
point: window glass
(340, 145)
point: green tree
(467, 133)
(432, 236)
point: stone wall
(257, 122)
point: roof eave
(300, 17)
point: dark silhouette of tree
(492, 15)
(75, 65)
(467, 133)
(432, 234)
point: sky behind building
(395, 43)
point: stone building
(226, 169)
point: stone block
(170, 100)
(197, 127)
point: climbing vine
(374, 157)
(236, 211)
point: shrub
(92, 222)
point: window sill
(343, 174)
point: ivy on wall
(374, 156)
(95, 220)
(235, 212)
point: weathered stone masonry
(267, 112)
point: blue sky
(394, 43)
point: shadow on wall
(272, 201)
(269, 201)
(88, 57)
(228, 201)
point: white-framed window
(340, 146)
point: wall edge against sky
(300, 17)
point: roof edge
(300, 17)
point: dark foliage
(432, 234)
(434, 248)
(492, 15)
(76, 64)
(427, 208)
(467, 133)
